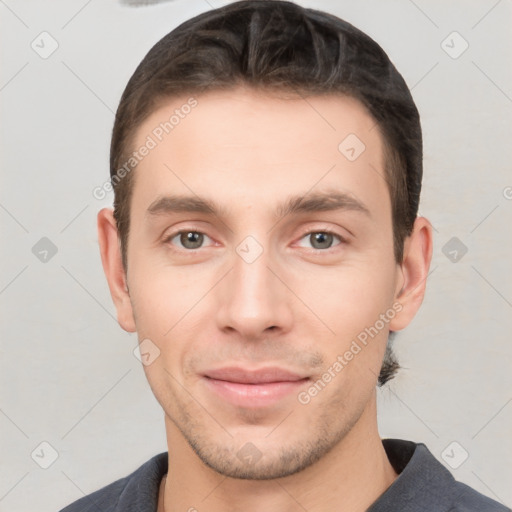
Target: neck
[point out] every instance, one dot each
(347, 479)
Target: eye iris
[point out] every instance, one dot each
(195, 239)
(323, 239)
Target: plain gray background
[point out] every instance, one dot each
(69, 377)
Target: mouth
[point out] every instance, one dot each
(253, 388)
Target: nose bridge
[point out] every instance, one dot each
(250, 273)
(252, 299)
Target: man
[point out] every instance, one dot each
(264, 245)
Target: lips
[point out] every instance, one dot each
(261, 376)
(253, 388)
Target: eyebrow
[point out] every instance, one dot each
(309, 203)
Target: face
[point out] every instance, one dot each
(261, 275)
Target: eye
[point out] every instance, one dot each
(188, 239)
(321, 239)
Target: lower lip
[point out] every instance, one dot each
(254, 395)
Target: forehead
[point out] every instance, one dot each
(244, 144)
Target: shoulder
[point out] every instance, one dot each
(467, 499)
(137, 491)
(104, 499)
(424, 483)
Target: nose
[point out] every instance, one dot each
(252, 298)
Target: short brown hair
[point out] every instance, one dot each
(277, 46)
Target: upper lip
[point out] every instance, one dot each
(260, 376)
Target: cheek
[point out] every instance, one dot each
(356, 305)
(347, 299)
(155, 311)
(169, 309)
(163, 294)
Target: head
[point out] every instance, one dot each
(257, 118)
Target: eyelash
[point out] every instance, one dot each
(341, 239)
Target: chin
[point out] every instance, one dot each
(252, 462)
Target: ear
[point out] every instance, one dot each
(414, 271)
(113, 267)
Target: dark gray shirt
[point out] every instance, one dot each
(423, 485)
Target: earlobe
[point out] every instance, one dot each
(414, 272)
(110, 251)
